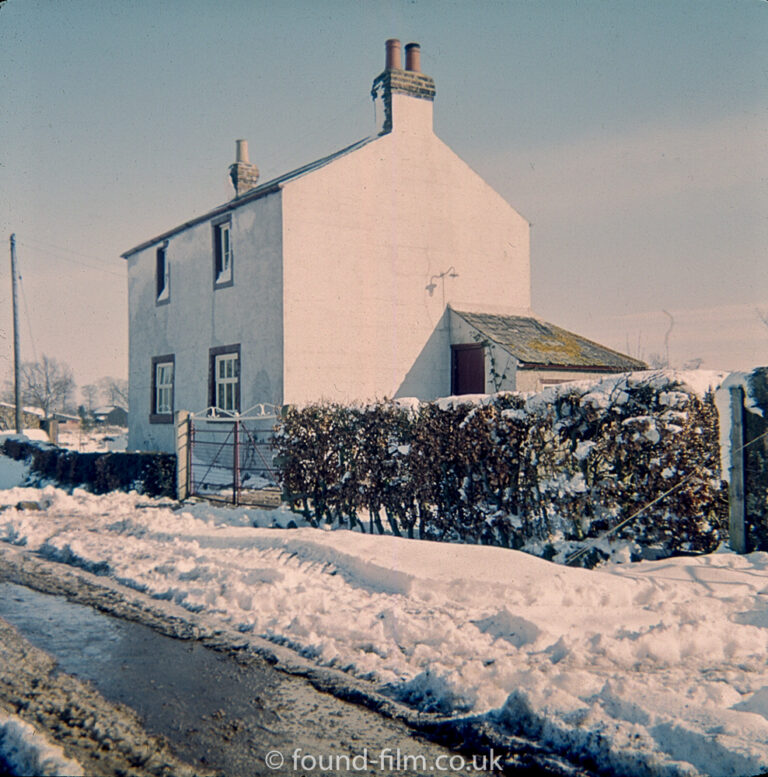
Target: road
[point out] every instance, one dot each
(150, 689)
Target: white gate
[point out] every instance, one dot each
(228, 457)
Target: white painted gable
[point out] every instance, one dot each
(341, 277)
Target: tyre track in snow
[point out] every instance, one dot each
(346, 709)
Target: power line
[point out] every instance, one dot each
(57, 253)
(67, 250)
(26, 314)
(592, 543)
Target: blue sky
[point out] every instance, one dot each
(632, 135)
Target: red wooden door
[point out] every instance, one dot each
(467, 369)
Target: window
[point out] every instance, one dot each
(225, 378)
(222, 254)
(162, 276)
(163, 369)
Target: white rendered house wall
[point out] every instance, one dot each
(365, 239)
(198, 317)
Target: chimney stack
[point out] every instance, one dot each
(396, 83)
(241, 154)
(413, 57)
(244, 175)
(394, 60)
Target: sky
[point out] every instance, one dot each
(632, 136)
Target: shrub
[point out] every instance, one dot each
(569, 463)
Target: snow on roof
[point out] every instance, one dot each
(107, 409)
(538, 343)
(260, 191)
(25, 409)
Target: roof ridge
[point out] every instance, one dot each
(253, 194)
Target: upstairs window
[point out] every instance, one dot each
(222, 254)
(225, 378)
(163, 368)
(162, 276)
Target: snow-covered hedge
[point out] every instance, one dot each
(516, 470)
(153, 474)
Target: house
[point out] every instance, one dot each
(111, 415)
(31, 417)
(387, 269)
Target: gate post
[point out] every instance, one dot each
(183, 457)
(738, 537)
(236, 463)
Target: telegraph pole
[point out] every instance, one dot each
(16, 355)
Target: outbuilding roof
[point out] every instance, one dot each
(537, 343)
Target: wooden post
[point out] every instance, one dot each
(16, 350)
(183, 454)
(236, 463)
(738, 536)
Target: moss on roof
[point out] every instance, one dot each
(535, 342)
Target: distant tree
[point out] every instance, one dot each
(47, 384)
(6, 392)
(90, 394)
(667, 334)
(86, 418)
(657, 362)
(114, 391)
(693, 364)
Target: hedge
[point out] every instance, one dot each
(512, 470)
(153, 474)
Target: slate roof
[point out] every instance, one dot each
(534, 342)
(259, 191)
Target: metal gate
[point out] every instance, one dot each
(229, 457)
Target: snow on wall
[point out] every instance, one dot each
(723, 403)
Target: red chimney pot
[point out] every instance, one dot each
(413, 57)
(394, 56)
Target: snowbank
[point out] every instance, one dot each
(27, 751)
(656, 668)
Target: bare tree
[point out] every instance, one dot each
(115, 391)
(667, 334)
(47, 384)
(90, 394)
(7, 393)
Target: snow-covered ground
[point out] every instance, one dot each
(100, 439)
(27, 751)
(656, 668)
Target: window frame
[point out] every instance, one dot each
(154, 416)
(225, 276)
(214, 355)
(162, 296)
